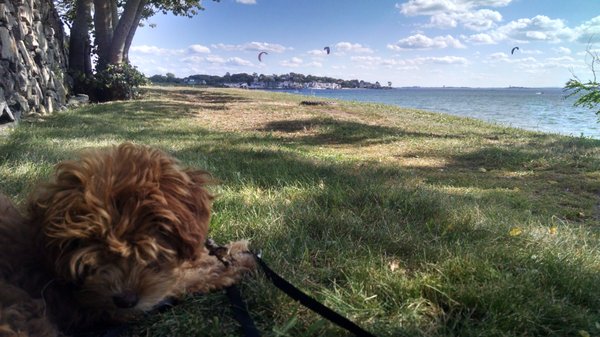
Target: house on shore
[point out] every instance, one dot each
(322, 85)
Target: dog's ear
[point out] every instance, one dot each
(194, 216)
(62, 217)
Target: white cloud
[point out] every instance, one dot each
(314, 64)
(198, 49)
(217, 60)
(317, 52)
(214, 59)
(428, 7)
(491, 3)
(506, 58)
(532, 65)
(480, 38)
(477, 20)
(535, 65)
(238, 62)
(352, 47)
(196, 59)
(153, 50)
(294, 62)
(451, 13)
(530, 51)
(589, 31)
(252, 46)
(563, 50)
(561, 59)
(420, 41)
(498, 56)
(246, 2)
(588, 51)
(443, 60)
(537, 35)
(372, 62)
(538, 28)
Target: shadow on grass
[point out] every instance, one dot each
(199, 96)
(134, 121)
(545, 175)
(331, 131)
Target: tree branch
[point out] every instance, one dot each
(129, 20)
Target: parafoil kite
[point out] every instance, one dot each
(513, 50)
(261, 54)
(327, 50)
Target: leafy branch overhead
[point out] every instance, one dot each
(587, 93)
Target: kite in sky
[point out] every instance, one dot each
(261, 54)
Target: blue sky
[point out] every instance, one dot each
(406, 42)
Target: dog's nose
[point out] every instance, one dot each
(126, 299)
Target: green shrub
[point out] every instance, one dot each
(118, 82)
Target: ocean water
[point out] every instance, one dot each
(538, 109)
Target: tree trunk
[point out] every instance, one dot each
(129, 40)
(129, 21)
(104, 26)
(79, 46)
(114, 11)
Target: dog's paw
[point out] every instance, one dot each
(239, 255)
(235, 254)
(221, 267)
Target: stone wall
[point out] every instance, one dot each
(33, 60)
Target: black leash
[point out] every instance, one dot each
(240, 312)
(310, 302)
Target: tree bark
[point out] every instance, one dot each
(80, 62)
(114, 11)
(129, 40)
(129, 21)
(79, 42)
(104, 27)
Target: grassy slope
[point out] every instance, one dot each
(409, 223)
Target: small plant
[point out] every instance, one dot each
(119, 82)
(588, 92)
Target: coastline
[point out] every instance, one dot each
(535, 109)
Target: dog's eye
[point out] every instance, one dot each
(82, 272)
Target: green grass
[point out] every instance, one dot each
(407, 222)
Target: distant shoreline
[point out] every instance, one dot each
(420, 87)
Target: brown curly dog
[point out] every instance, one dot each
(114, 234)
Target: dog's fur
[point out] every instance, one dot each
(112, 236)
